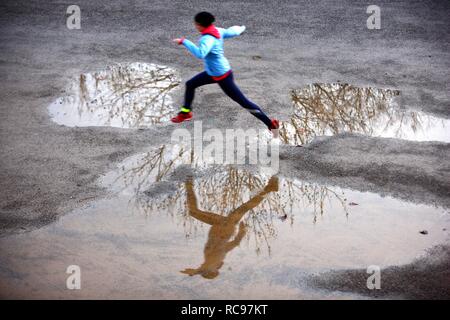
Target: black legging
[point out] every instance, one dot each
(230, 88)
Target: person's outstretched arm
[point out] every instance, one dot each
(204, 46)
(232, 31)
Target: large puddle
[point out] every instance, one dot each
(329, 109)
(224, 233)
(130, 95)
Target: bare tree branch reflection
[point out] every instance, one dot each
(223, 190)
(328, 109)
(125, 95)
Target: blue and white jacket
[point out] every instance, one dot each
(210, 49)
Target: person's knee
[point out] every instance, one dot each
(234, 96)
(241, 99)
(243, 103)
(247, 104)
(190, 84)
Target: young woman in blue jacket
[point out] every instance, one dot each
(217, 68)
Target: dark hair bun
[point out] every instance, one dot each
(205, 19)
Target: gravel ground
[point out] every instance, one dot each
(46, 169)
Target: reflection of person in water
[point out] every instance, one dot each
(222, 229)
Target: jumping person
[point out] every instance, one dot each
(218, 70)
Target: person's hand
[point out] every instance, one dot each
(178, 40)
(189, 271)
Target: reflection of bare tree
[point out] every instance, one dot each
(135, 94)
(222, 190)
(326, 109)
(229, 187)
(151, 167)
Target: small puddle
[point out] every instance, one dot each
(225, 234)
(329, 109)
(130, 95)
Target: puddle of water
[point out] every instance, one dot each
(329, 109)
(130, 95)
(137, 173)
(228, 234)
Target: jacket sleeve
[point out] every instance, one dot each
(232, 31)
(204, 46)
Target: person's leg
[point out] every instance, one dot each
(194, 211)
(199, 80)
(232, 90)
(239, 212)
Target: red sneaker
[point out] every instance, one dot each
(180, 117)
(275, 124)
(274, 128)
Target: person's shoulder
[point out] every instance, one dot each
(209, 37)
(221, 30)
